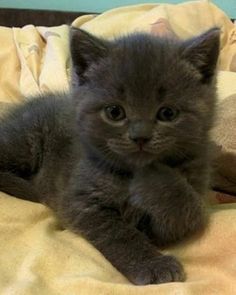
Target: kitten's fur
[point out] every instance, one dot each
(62, 151)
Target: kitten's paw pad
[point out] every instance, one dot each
(164, 269)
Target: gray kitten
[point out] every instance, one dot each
(123, 159)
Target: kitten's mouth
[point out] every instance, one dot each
(139, 151)
(137, 155)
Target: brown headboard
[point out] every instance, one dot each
(22, 17)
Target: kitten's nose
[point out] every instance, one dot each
(140, 141)
(140, 132)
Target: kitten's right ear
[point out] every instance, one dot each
(86, 50)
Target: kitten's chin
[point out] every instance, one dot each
(139, 159)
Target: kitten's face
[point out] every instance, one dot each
(143, 100)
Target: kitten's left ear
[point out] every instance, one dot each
(85, 50)
(202, 52)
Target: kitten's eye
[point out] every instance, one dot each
(115, 113)
(167, 114)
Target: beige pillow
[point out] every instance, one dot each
(182, 20)
(224, 134)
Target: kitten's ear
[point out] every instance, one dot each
(86, 50)
(203, 52)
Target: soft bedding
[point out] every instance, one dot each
(37, 256)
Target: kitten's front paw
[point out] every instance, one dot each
(163, 269)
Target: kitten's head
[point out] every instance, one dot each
(142, 98)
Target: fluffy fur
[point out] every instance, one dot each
(124, 158)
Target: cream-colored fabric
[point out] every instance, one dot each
(33, 60)
(224, 134)
(36, 255)
(185, 20)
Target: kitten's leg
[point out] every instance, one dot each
(124, 246)
(17, 187)
(164, 205)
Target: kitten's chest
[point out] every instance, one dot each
(110, 188)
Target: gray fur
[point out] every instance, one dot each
(130, 185)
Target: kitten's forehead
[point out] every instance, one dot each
(143, 55)
(140, 67)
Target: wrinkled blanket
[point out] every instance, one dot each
(37, 256)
